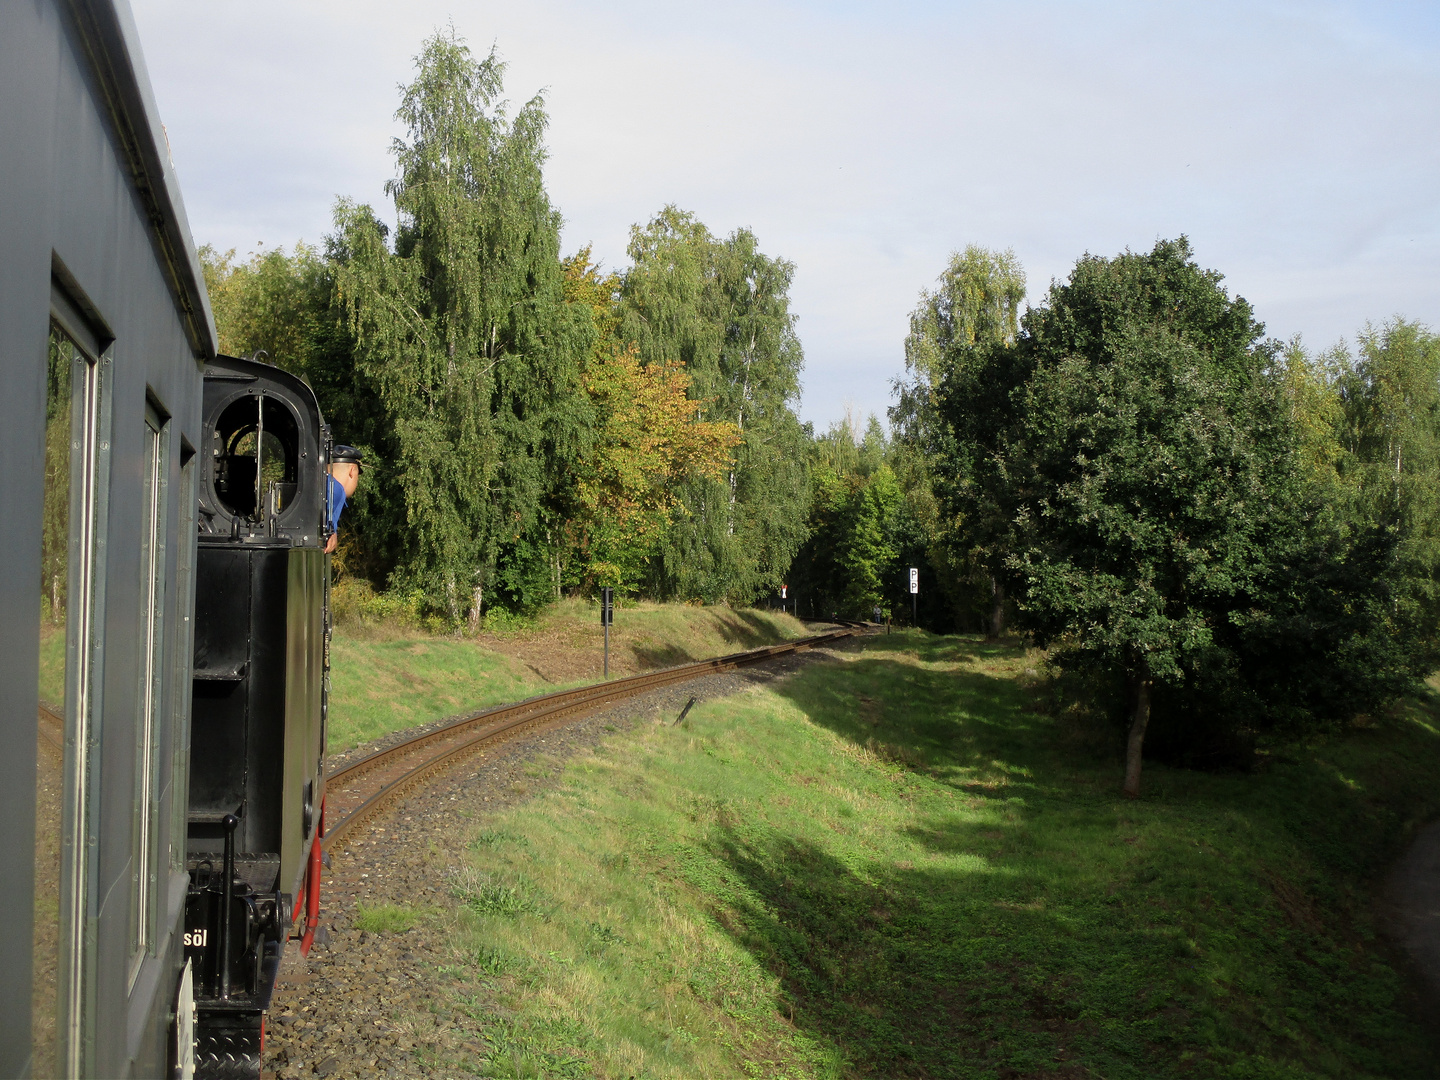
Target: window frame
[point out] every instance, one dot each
(146, 887)
(91, 392)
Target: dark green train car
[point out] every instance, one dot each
(105, 331)
(162, 574)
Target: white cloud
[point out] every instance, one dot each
(1296, 144)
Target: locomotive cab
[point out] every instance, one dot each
(259, 698)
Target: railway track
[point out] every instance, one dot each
(359, 791)
(51, 730)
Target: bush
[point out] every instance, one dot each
(354, 603)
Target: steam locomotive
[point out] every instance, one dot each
(260, 700)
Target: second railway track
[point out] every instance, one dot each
(359, 791)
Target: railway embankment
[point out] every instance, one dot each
(909, 860)
(389, 990)
(391, 671)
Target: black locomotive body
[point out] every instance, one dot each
(259, 702)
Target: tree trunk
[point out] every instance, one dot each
(997, 610)
(477, 599)
(740, 427)
(1398, 449)
(1139, 720)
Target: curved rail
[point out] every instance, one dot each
(444, 746)
(52, 728)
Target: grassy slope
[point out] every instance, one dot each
(384, 678)
(52, 664)
(895, 867)
(380, 684)
(647, 635)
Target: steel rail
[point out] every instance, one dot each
(52, 728)
(486, 725)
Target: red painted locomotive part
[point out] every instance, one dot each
(312, 886)
(494, 722)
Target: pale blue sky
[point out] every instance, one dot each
(1297, 144)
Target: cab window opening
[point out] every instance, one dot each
(256, 451)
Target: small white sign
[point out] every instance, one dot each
(783, 590)
(914, 579)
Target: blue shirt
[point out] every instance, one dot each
(337, 502)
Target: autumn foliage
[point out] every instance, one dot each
(648, 438)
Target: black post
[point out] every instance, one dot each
(230, 823)
(914, 609)
(607, 616)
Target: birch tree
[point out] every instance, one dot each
(722, 308)
(462, 326)
(959, 334)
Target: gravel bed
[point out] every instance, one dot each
(368, 1005)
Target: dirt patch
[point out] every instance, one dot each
(1409, 912)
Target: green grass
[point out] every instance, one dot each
(385, 918)
(897, 866)
(52, 665)
(379, 686)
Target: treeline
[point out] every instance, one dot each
(1236, 535)
(534, 425)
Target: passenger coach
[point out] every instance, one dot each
(104, 334)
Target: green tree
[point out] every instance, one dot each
(1391, 432)
(271, 303)
(464, 332)
(1152, 473)
(586, 283)
(848, 564)
(866, 552)
(722, 308)
(960, 341)
(648, 441)
(1312, 386)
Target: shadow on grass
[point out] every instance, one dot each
(970, 728)
(925, 972)
(741, 629)
(905, 975)
(1069, 932)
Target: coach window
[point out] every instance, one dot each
(72, 410)
(144, 833)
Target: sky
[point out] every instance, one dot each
(1296, 144)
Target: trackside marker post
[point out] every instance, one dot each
(914, 596)
(607, 616)
(685, 711)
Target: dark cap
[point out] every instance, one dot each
(346, 455)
